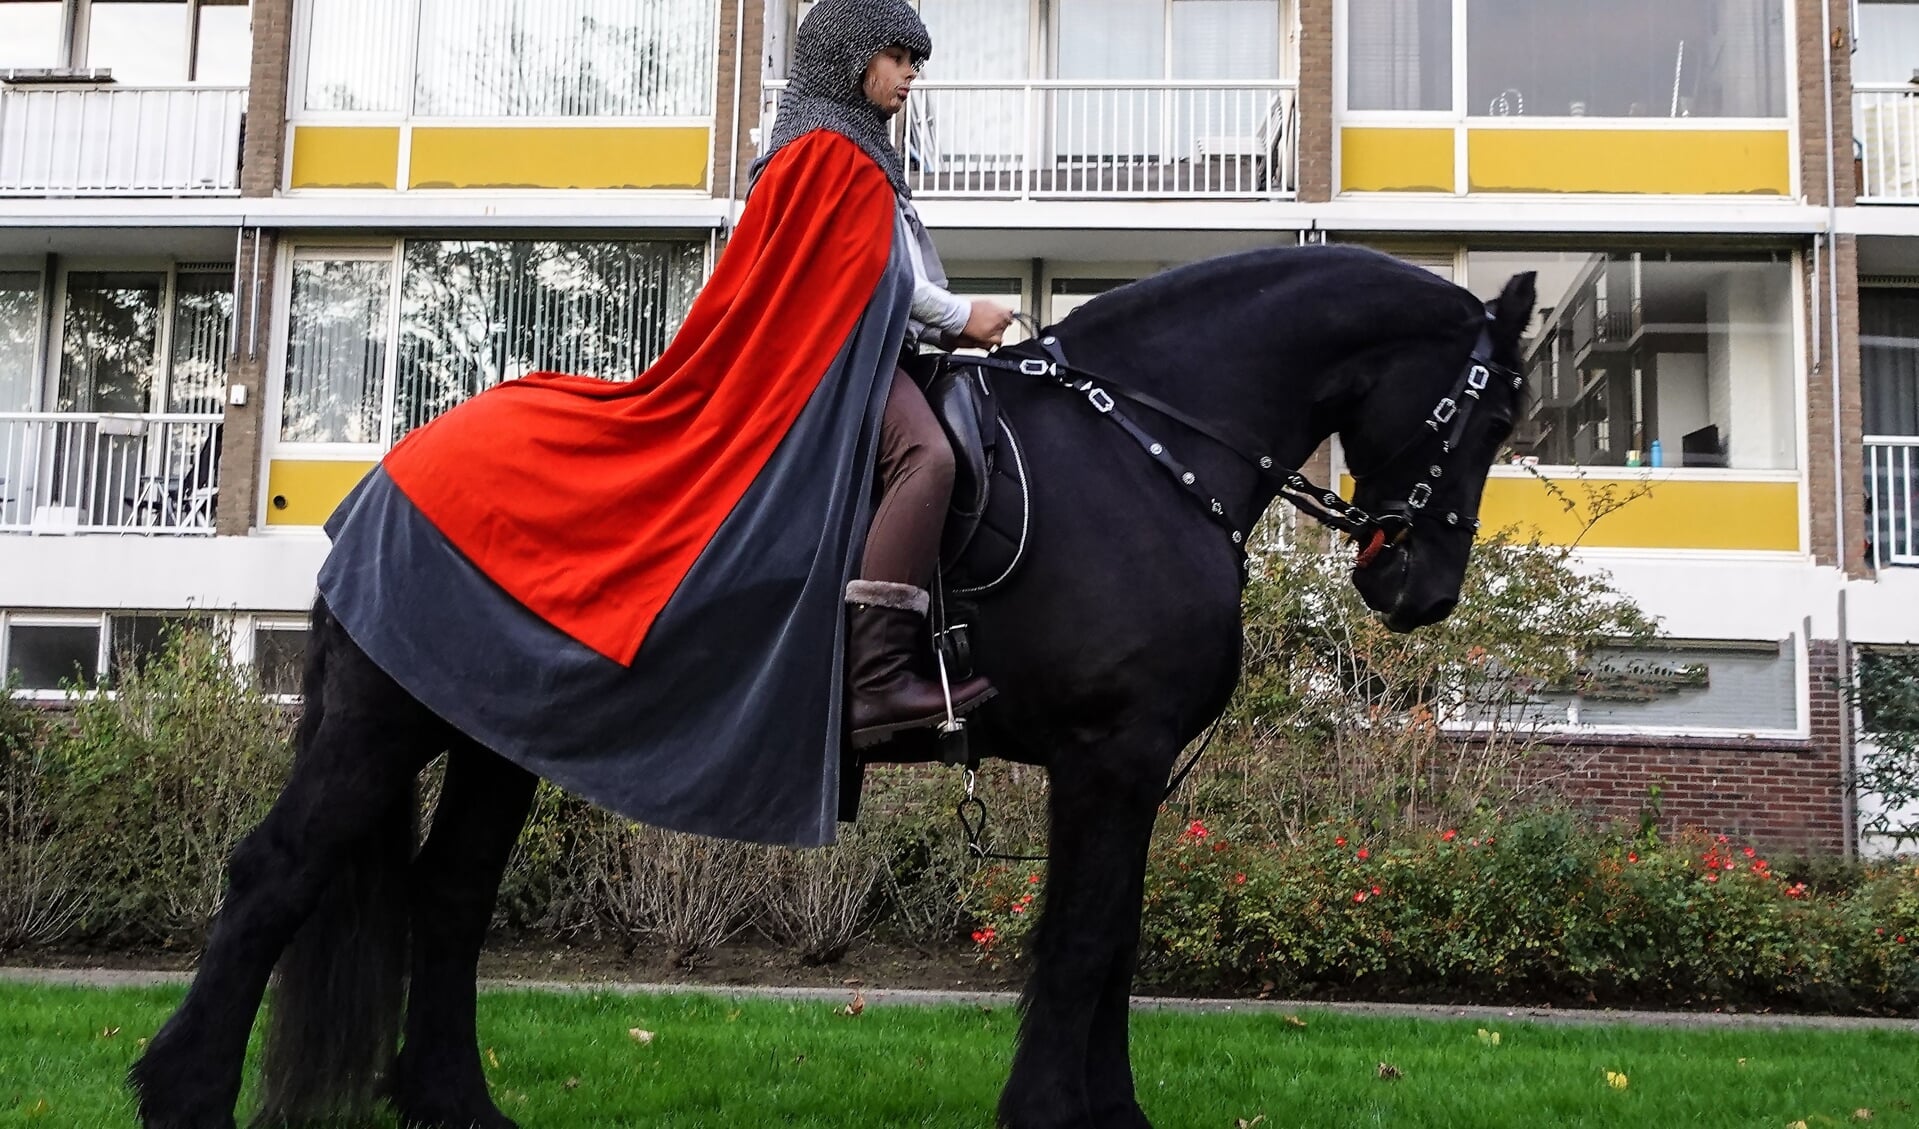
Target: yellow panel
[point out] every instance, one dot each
(330, 156)
(306, 491)
(1396, 160)
(1677, 514)
(559, 157)
(1678, 162)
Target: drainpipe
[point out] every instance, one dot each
(1832, 300)
(733, 156)
(1848, 764)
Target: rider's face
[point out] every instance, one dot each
(889, 78)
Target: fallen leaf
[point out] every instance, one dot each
(1242, 1123)
(1862, 1115)
(109, 1032)
(1295, 1021)
(858, 1005)
(1490, 1038)
(1742, 1064)
(492, 1059)
(40, 1109)
(1615, 1079)
(733, 1016)
(1796, 1125)
(639, 1036)
(572, 1083)
(140, 1043)
(1389, 1072)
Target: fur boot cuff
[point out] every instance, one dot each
(886, 594)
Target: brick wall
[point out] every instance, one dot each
(744, 47)
(1315, 148)
(1819, 411)
(1811, 49)
(1781, 795)
(240, 474)
(262, 155)
(265, 147)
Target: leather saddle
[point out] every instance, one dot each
(987, 524)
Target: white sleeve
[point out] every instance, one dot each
(934, 306)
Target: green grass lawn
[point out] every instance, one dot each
(570, 1060)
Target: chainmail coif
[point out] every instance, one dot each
(836, 41)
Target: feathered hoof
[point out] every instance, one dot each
(165, 1098)
(488, 1118)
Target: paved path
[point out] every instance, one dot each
(916, 997)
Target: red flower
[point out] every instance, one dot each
(1796, 890)
(1239, 880)
(984, 937)
(1364, 853)
(1750, 852)
(1340, 842)
(1901, 939)
(1449, 836)
(1712, 878)
(1376, 891)
(1721, 839)
(1195, 831)
(1019, 909)
(1032, 880)
(1879, 932)
(1360, 897)
(1632, 856)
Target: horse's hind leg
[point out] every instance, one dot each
(353, 775)
(1103, 804)
(438, 1082)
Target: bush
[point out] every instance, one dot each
(1531, 907)
(151, 786)
(42, 896)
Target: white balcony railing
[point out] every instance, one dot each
(1892, 499)
(67, 472)
(112, 140)
(1095, 140)
(1886, 129)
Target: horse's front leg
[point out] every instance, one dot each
(1064, 1075)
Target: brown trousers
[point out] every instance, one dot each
(915, 487)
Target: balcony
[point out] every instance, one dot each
(1886, 130)
(70, 472)
(1058, 139)
(120, 141)
(1892, 497)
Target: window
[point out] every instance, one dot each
(1623, 59)
(44, 655)
(279, 657)
(119, 325)
(1070, 294)
(134, 640)
(512, 58)
(111, 340)
(143, 42)
(19, 340)
(31, 34)
(1655, 358)
(1889, 357)
(1005, 291)
(1888, 42)
(1399, 54)
(471, 314)
(336, 351)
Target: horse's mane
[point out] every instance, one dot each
(1333, 274)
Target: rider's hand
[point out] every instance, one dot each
(985, 325)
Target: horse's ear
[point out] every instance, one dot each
(1513, 309)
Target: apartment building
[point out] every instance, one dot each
(244, 248)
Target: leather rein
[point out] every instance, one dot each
(1447, 422)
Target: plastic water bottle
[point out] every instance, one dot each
(1655, 454)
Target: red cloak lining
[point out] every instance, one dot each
(588, 500)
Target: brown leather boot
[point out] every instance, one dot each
(886, 695)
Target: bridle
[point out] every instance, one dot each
(1447, 423)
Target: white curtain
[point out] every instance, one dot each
(201, 339)
(336, 351)
(1226, 39)
(19, 339)
(1399, 54)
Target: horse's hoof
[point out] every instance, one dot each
(164, 1103)
(489, 1118)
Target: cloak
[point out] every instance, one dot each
(636, 589)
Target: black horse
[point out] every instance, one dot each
(1114, 646)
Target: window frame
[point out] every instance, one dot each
(408, 79)
(52, 618)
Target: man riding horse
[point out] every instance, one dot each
(683, 540)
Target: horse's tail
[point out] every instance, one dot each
(333, 1023)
